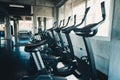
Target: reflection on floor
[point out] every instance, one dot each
(14, 63)
(17, 63)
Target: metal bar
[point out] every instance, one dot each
(70, 44)
(61, 40)
(41, 63)
(91, 58)
(36, 61)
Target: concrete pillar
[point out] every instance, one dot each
(42, 23)
(8, 36)
(16, 31)
(34, 24)
(8, 28)
(39, 22)
(39, 25)
(55, 14)
(45, 23)
(114, 62)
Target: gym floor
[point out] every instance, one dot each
(15, 63)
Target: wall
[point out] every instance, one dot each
(114, 68)
(102, 52)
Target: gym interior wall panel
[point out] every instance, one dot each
(101, 48)
(102, 64)
(102, 52)
(114, 68)
(43, 11)
(116, 22)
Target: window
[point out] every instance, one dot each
(25, 25)
(49, 23)
(2, 27)
(95, 15)
(77, 7)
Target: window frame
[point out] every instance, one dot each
(111, 11)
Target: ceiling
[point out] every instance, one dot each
(31, 2)
(5, 9)
(56, 1)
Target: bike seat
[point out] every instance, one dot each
(32, 47)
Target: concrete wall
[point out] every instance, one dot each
(102, 52)
(114, 68)
(41, 11)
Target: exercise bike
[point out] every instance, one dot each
(85, 32)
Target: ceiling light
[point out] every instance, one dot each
(18, 6)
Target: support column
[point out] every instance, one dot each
(55, 14)
(8, 36)
(34, 24)
(8, 28)
(39, 22)
(16, 31)
(44, 23)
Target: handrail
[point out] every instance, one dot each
(68, 29)
(85, 15)
(91, 29)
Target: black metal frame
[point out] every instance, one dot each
(90, 58)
